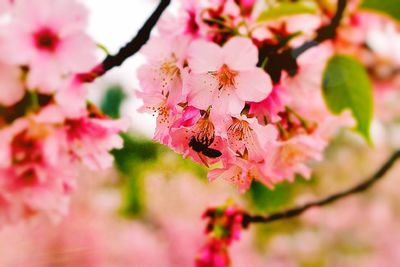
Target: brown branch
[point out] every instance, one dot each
(129, 49)
(294, 212)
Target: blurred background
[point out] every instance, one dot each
(147, 210)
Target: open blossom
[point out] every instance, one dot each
(239, 172)
(162, 75)
(161, 80)
(225, 77)
(246, 137)
(48, 36)
(199, 141)
(286, 159)
(249, 142)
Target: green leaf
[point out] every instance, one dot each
(346, 85)
(388, 7)
(287, 9)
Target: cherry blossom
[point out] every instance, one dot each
(49, 37)
(225, 78)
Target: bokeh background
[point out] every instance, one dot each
(147, 210)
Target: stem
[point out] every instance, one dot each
(33, 100)
(324, 33)
(296, 211)
(287, 59)
(130, 49)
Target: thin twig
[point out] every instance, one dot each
(129, 49)
(325, 33)
(287, 59)
(294, 212)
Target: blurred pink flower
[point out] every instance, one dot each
(48, 36)
(91, 138)
(11, 87)
(34, 173)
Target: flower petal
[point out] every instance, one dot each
(204, 56)
(201, 90)
(253, 85)
(240, 54)
(226, 101)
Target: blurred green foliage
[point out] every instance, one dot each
(131, 162)
(388, 7)
(284, 9)
(136, 151)
(112, 101)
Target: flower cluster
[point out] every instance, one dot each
(46, 126)
(224, 226)
(205, 81)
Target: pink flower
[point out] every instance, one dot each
(199, 141)
(285, 159)
(224, 227)
(213, 254)
(161, 82)
(11, 87)
(188, 21)
(5, 5)
(268, 109)
(71, 98)
(35, 174)
(162, 76)
(156, 103)
(241, 173)
(246, 136)
(91, 138)
(48, 36)
(225, 78)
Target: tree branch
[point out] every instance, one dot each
(325, 33)
(129, 49)
(293, 212)
(287, 59)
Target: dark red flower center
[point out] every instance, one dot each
(46, 39)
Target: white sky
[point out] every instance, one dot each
(112, 24)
